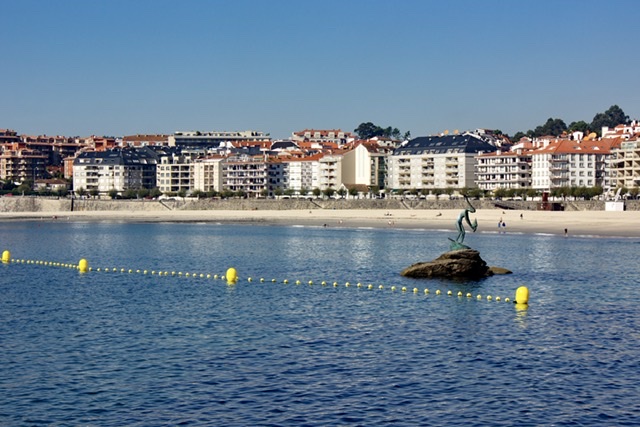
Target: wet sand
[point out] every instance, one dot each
(582, 223)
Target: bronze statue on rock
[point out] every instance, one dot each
(461, 262)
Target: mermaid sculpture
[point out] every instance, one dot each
(464, 215)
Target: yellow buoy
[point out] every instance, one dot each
(232, 275)
(522, 295)
(83, 265)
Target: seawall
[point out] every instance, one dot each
(44, 204)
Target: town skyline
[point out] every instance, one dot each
(622, 118)
(121, 68)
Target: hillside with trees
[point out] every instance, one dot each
(553, 126)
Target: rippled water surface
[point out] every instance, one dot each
(114, 349)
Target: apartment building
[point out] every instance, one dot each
(20, 164)
(624, 165)
(175, 174)
(330, 171)
(365, 165)
(246, 174)
(507, 170)
(214, 139)
(302, 173)
(436, 162)
(119, 169)
(143, 140)
(320, 136)
(207, 174)
(569, 163)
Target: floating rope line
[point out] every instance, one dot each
(231, 278)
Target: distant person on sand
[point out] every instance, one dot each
(565, 232)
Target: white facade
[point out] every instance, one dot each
(174, 174)
(568, 163)
(207, 175)
(503, 170)
(356, 166)
(624, 166)
(431, 171)
(330, 172)
(302, 174)
(246, 174)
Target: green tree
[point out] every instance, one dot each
(141, 193)
(264, 193)
(81, 192)
(579, 126)
(613, 117)
(277, 192)
(499, 193)
(94, 193)
(130, 193)
(289, 192)
(316, 192)
(155, 192)
(342, 192)
(329, 192)
(368, 130)
(555, 127)
(353, 192)
(113, 193)
(518, 136)
(531, 192)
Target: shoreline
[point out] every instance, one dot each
(578, 223)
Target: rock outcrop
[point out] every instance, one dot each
(460, 264)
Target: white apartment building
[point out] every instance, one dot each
(511, 169)
(174, 174)
(247, 174)
(303, 173)
(436, 162)
(330, 171)
(567, 163)
(365, 165)
(207, 174)
(119, 170)
(624, 165)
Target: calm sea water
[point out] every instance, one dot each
(116, 349)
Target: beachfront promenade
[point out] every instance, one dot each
(584, 218)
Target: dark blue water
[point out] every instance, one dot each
(115, 349)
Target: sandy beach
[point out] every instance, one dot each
(582, 223)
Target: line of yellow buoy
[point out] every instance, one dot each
(231, 276)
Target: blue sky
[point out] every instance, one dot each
(154, 66)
